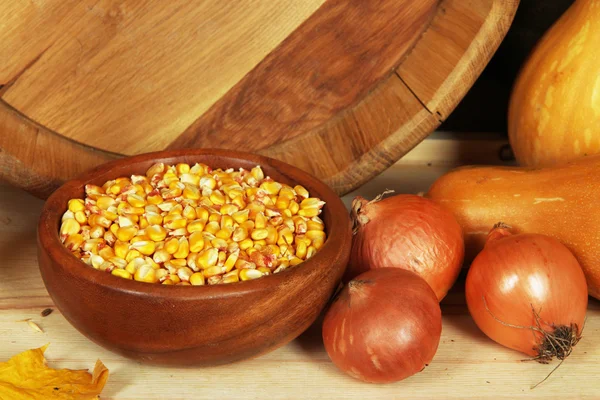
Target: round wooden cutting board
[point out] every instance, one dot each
(339, 88)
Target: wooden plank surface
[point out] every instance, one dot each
(466, 366)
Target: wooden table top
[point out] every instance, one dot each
(467, 364)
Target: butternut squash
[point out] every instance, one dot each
(554, 113)
(561, 201)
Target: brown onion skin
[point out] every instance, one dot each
(409, 232)
(384, 326)
(514, 273)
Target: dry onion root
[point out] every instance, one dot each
(409, 232)
(528, 292)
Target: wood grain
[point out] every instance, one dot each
(320, 70)
(130, 76)
(466, 366)
(318, 97)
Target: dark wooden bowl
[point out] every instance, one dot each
(181, 325)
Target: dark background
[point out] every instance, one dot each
(485, 107)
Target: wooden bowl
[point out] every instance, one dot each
(183, 325)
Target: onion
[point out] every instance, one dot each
(410, 232)
(528, 292)
(384, 326)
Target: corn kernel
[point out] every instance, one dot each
(212, 271)
(261, 221)
(121, 273)
(212, 227)
(183, 250)
(74, 241)
(184, 273)
(301, 249)
(207, 258)
(246, 244)
(295, 261)
(259, 234)
(313, 225)
(172, 245)
(315, 235)
(301, 191)
(265, 270)
(126, 233)
(161, 274)
(131, 254)
(197, 279)
(106, 252)
(69, 227)
(133, 265)
(145, 273)
(75, 205)
(300, 225)
(145, 247)
(249, 274)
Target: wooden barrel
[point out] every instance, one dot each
(339, 88)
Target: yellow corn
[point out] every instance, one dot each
(282, 202)
(145, 247)
(182, 168)
(75, 205)
(231, 260)
(229, 209)
(184, 273)
(272, 235)
(74, 241)
(207, 258)
(161, 274)
(155, 169)
(224, 233)
(248, 225)
(190, 179)
(212, 271)
(121, 249)
(133, 265)
(301, 249)
(197, 279)
(212, 227)
(249, 274)
(300, 226)
(196, 242)
(271, 187)
(189, 213)
(69, 227)
(196, 225)
(202, 213)
(246, 244)
(191, 192)
(131, 254)
(226, 222)
(106, 252)
(121, 273)
(261, 221)
(156, 233)
(154, 197)
(178, 219)
(315, 235)
(313, 225)
(174, 221)
(264, 270)
(259, 234)
(126, 233)
(183, 250)
(172, 245)
(145, 273)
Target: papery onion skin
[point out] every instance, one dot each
(410, 232)
(384, 326)
(519, 276)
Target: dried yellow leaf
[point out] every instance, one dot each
(26, 376)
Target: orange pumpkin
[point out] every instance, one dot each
(554, 113)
